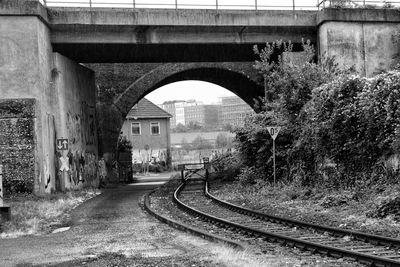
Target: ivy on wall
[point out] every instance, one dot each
(17, 144)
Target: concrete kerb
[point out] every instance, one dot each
(189, 229)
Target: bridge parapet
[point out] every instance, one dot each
(179, 4)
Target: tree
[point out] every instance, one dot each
(228, 127)
(180, 128)
(288, 87)
(201, 143)
(354, 122)
(185, 144)
(194, 126)
(223, 141)
(124, 144)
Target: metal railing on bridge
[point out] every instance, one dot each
(226, 4)
(189, 4)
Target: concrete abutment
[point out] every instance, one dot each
(44, 96)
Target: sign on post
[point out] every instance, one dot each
(273, 131)
(62, 144)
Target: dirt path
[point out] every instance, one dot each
(109, 224)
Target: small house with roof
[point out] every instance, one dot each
(147, 126)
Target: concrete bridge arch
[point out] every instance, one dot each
(240, 78)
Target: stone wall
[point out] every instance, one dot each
(17, 144)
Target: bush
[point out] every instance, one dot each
(227, 166)
(223, 141)
(201, 143)
(17, 187)
(337, 128)
(124, 145)
(157, 168)
(250, 176)
(388, 207)
(355, 123)
(288, 87)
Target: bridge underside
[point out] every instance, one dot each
(155, 35)
(144, 53)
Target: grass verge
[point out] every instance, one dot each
(34, 215)
(338, 208)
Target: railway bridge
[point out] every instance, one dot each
(55, 61)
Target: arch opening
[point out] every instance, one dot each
(240, 79)
(181, 122)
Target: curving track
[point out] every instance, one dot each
(193, 196)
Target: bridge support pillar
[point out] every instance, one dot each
(43, 96)
(25, 80)
(369, 47)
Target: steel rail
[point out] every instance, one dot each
(373, 239)
(286, 240)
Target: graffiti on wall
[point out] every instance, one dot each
(81, 126)
(80, 162)
(78, 168)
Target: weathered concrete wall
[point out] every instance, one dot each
(30, 70)
(25, 59)
(17, 144)
(363, 39)
(76, 120)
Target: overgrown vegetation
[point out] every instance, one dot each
(351, 131)
(340, 132)
(338, 129)
(31, 215)
(289, 82)
(361, 208)
(358, 4)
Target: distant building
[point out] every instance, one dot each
(147, 126)
(233, 110)
(169, 106)
(204, 115)
(177, 109)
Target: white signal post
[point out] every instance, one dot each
(273, 131)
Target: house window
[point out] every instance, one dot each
(154, 128)
(135, 128)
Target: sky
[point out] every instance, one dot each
(206, 92)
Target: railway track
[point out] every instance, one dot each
(372, 250)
